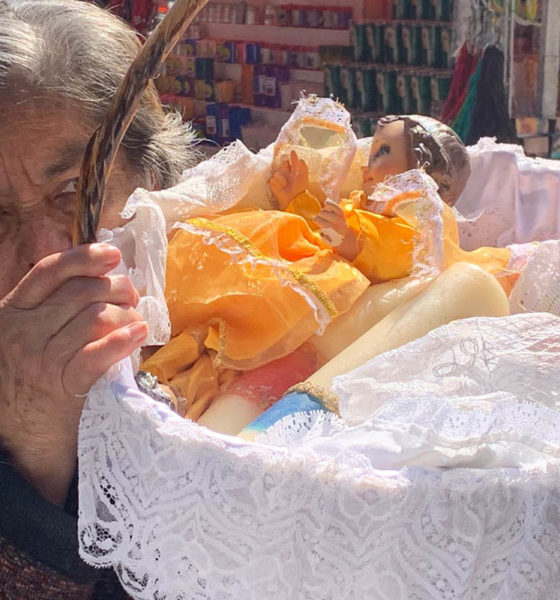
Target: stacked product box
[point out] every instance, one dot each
(283, 15)
(190, 71)
(224, 122)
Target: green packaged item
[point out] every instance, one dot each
(366, 88)
(408, 43)
(421, 94)
(404, 100)
(386, 81)
(441, 85)
(359, 42)
(402, 9)
(428, 9)
(443, 40)
(333, 83)
(390, 43)
(375, 36)
(444, 10)
(363, 126)
(204, 68)
(367, 127)
(348, 82)
(428, 45)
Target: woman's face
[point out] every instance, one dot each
(41, 150)
(389, 155)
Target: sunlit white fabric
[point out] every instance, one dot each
(319, 508)
(510, 198)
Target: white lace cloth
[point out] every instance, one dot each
(510, 198)
(320, 509)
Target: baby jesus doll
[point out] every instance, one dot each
(248, 289)
(379, 238)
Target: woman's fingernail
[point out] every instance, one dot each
(138, 331)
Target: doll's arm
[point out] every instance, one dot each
(335, 230)
(380, 247)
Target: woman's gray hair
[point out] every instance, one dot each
(75, 52)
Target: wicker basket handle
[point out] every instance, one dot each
(106, 139)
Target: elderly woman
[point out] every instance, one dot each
(63, 319)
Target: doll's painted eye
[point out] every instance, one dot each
(383, 150)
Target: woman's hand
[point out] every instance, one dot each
(289, 181)
(63, 326)
(336, 232)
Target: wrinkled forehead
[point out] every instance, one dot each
(40, 141)
(42, 117)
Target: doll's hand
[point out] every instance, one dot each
(335, 231)
(289, 181)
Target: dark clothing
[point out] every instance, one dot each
(39, 556)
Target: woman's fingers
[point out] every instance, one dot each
(91, 331)
(78, 293)
(93, 323)
(93, 260)
(95, 358)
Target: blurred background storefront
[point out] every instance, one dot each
(487, 67)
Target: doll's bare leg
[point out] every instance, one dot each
(461, 291)
(372, 306)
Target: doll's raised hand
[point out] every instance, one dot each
(289, 181)
(336, 232)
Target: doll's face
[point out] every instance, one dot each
(389, 155)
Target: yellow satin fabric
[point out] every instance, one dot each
(246, 288)
(250, 287)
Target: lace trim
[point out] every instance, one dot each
(327, 399)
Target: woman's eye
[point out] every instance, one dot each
(63, 198)
(383, 150)
(70, 187)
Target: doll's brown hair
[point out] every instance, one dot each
(436, 148)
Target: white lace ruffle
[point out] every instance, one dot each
(538, 287)
(329, 163)
(320, 509)
(143, 244)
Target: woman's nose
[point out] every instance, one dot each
(42, 239)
